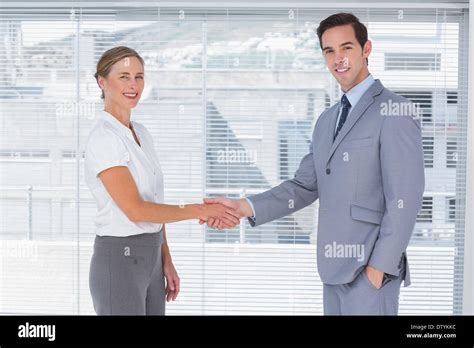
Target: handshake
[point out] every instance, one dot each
(222, 213)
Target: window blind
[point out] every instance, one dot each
(231, 98)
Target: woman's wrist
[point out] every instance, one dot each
(167, 260)
(195, 210)
(165, 255)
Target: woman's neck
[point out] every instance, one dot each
(123, 115)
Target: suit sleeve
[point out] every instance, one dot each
(288, 197)
(401, 158)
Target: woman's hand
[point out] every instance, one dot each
(240, 206)
(172, 281)
(228, 216)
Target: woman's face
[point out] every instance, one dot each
(124, 85)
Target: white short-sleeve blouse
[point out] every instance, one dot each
(111, 144)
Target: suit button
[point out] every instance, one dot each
(328, 171)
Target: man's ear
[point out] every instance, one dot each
(367, 49)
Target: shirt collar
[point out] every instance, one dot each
(356, 92)
(119, 126)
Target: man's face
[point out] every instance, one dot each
(345, 58)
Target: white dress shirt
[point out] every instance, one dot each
(112, 144)
(354, 95)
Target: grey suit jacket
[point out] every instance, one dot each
(369, 182)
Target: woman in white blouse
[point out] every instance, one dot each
(131, 258)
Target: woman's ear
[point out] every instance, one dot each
(101, 82)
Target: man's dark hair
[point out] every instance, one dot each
(342, 18)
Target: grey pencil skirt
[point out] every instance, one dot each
(126, 275)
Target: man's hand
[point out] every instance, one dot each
(375, 276)
(217, 211)
(240, 207)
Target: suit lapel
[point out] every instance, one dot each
(364, 102)
(333, 122)
(332, 119)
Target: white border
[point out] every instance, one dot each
(468, 291)
(241, 4)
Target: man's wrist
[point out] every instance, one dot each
(374, 269)
(245, 207)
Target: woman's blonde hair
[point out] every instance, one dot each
(112, 56)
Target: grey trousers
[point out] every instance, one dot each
(360, 297)
(126, 275)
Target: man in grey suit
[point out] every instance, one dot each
(366, 167)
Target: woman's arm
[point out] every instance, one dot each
(121, 186)
(172, 279)
(165, 250)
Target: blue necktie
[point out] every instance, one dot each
(345, 111)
